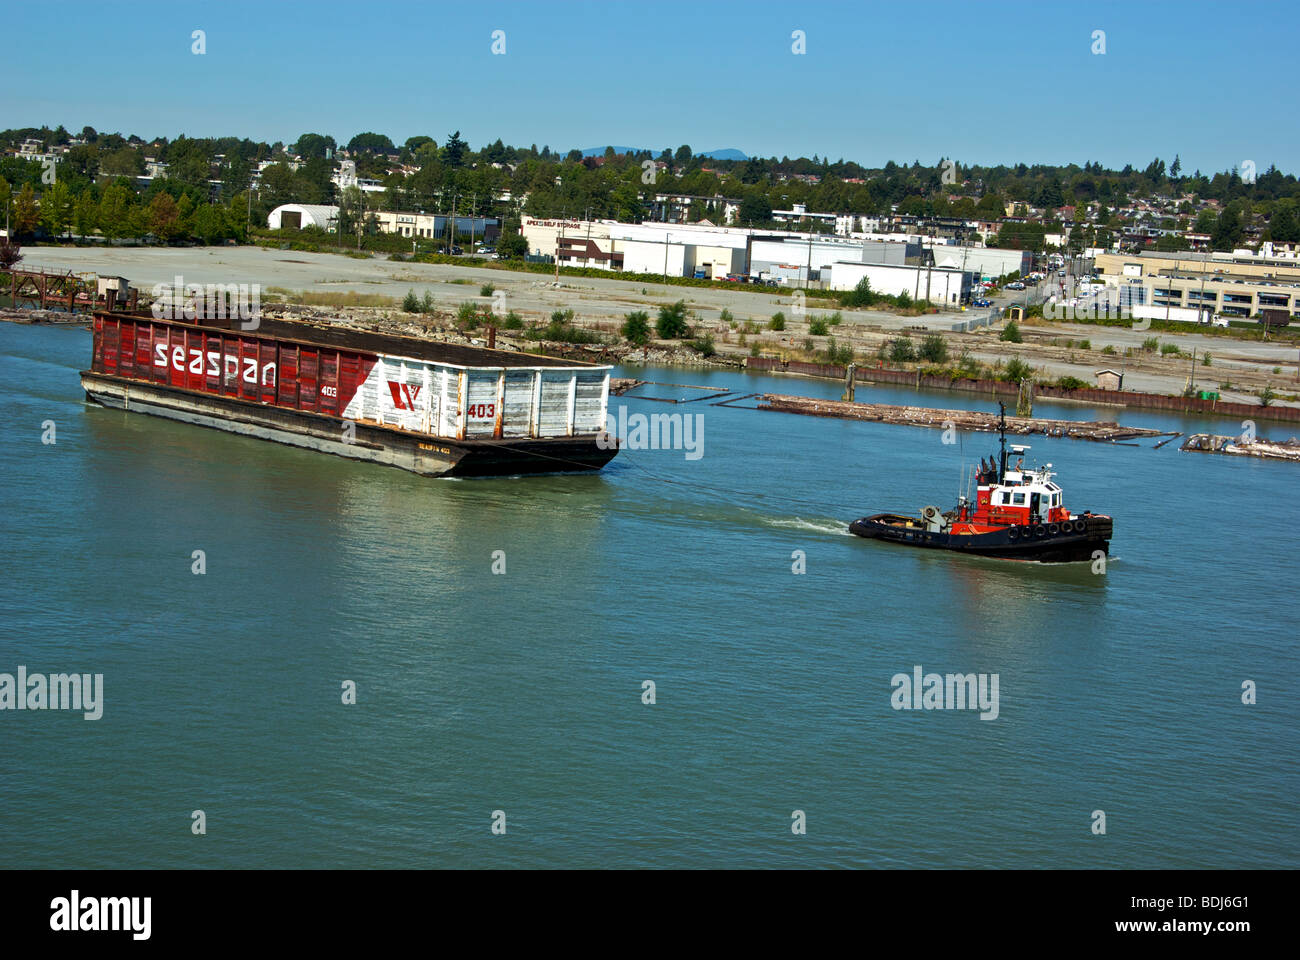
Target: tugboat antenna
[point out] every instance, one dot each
(1002, 434)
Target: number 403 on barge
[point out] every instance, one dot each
(1017, 515)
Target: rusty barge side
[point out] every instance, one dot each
(431, 408)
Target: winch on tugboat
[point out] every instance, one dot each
(1017, 515)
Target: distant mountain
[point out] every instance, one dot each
(728, 154)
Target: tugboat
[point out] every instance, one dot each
(1017, 515)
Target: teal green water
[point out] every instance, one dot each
(522, 692)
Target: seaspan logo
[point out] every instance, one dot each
(213, 366)
(404, 394)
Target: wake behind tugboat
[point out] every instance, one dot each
(1017, 515)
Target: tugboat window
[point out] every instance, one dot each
(1019, 499)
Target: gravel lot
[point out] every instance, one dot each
(1246, 364)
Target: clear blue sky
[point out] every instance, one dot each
(980, 82)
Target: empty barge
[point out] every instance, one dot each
(436, 409)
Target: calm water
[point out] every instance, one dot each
(522, 692)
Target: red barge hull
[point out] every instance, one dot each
(434, 409)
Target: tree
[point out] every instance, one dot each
(511, 245)
(313, 145)
(415, 143)
(10, 254)
(126, 162)
(683, 155)
(114, 212)
(25, 212)
(755, 208)
(1176, 167)
(84, 214)
(636, 328)
(163, 217)
(370, 143)
(1227, 230)
(671, 324)
(453, 152)
(56, 208)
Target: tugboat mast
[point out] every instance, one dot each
(1002, 433)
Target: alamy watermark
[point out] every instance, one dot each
(953, 691)
(658, 431)
(208, 301)
(58, 691)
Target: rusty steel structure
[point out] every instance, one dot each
(55, 289)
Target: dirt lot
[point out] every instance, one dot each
(1247, 365)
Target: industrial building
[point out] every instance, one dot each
(989, 262)
(939, 285)
(1231, 285)
(299, 216)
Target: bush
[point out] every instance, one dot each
(901, 350)
(904, 299)
(1071, 383)
(561, 330)
(636, 328)
(752, 327)
(817, 326)
(1266, 396)
(671, 324)
(725, 316)
(411, 303)
(1017, 370)
(426, 302)
(835, 319)
(934, 349)
(1085, 344)
(1206, 359)
(513, 321)
(841, 354)
(1150, 345)
(1169, 348)
(467, 316)
(777, 322)
(753, 349)
(1108, 349)
(859, 296)
(704, 345)
(1011, 333)
(486, 290)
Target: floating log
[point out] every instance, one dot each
(1241, 447)
(1103, 431)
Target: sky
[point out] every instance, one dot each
(979, 81)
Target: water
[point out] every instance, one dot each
(522, 692)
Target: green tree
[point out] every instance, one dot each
(84, 214)
(313, 145)
(755, 208)
(453, 152)
(25, 212)
(636, 328)
(1227, 230)
(370, 143)
(56, 208)
(671, 324)
(114, 212)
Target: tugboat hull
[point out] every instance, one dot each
(1069, 541)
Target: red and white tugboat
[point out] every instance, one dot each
(1017, 515)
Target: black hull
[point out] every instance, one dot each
(1068, 544)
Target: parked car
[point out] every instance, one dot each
(1015, 285)
(982, 302)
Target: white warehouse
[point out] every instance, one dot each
(297, 216)
(939, 285)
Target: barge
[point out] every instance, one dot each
(436, 409)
